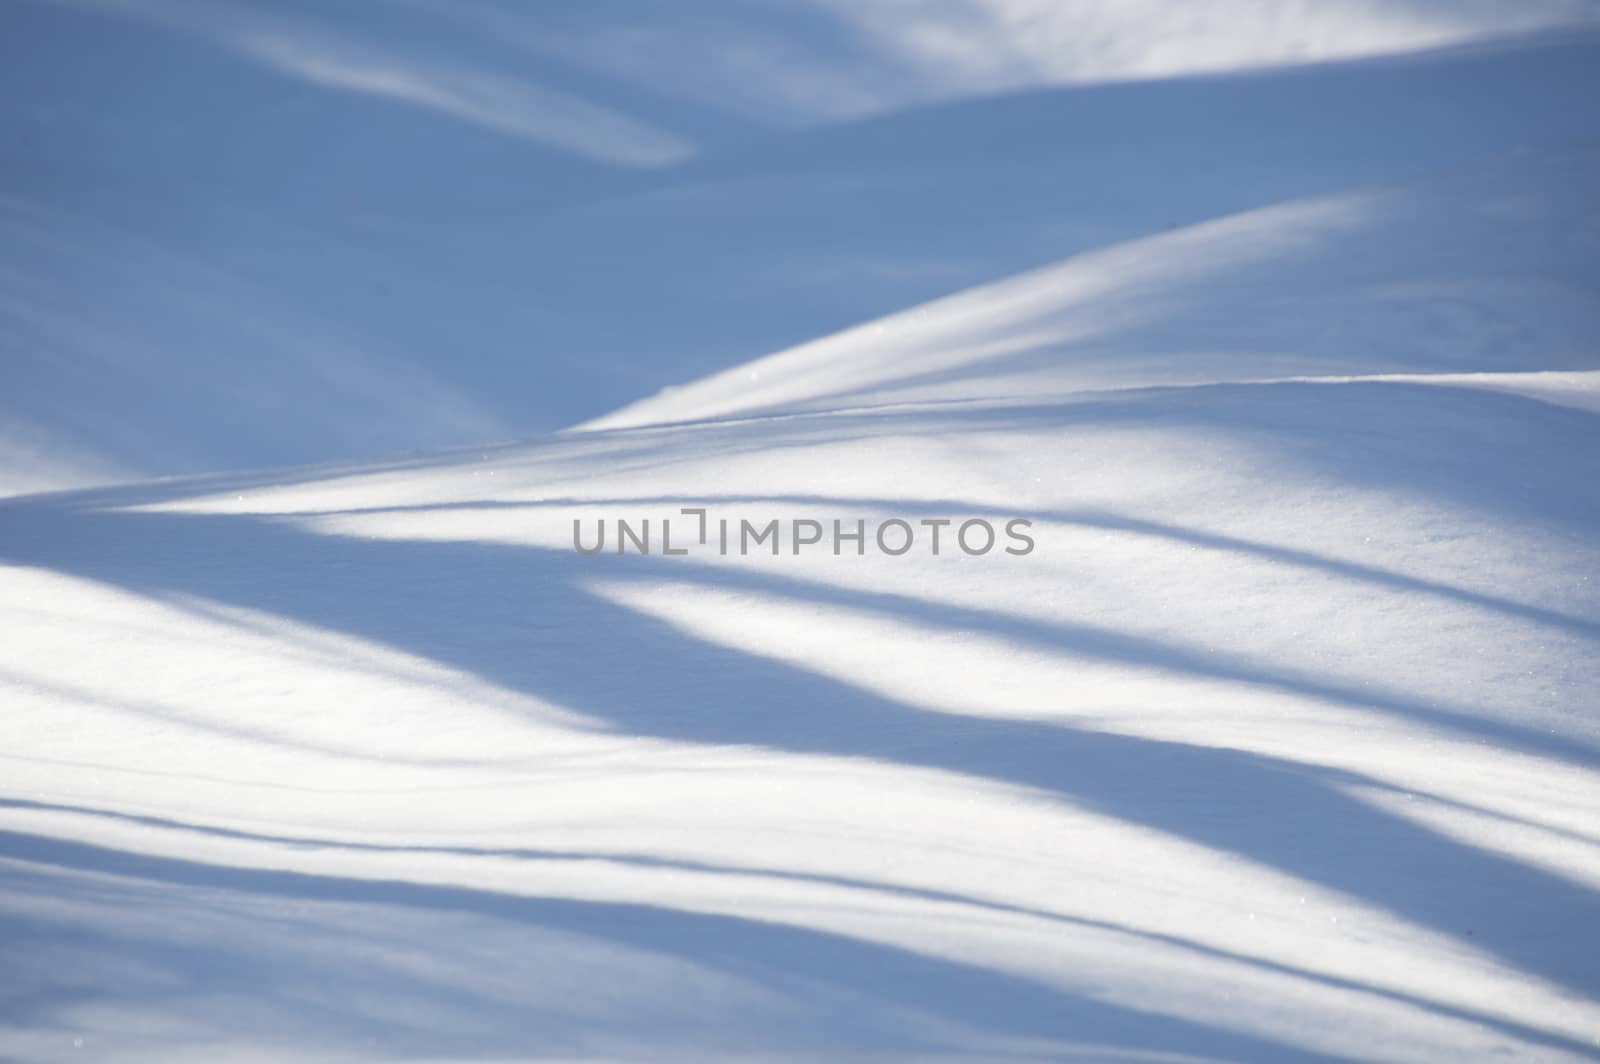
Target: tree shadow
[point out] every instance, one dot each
(519, 617)
(824, 992)
(893, 890)
(1097, 517)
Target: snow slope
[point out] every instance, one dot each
(1280, 745)
(244, 235)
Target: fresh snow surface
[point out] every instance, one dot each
(1282, 744)
(258, 234)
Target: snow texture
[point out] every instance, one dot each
(321, 326)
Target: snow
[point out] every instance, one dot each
(1280, 745)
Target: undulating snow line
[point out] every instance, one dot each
(1287, 720)
(1278, 744)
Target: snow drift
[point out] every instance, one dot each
(1280, 745)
